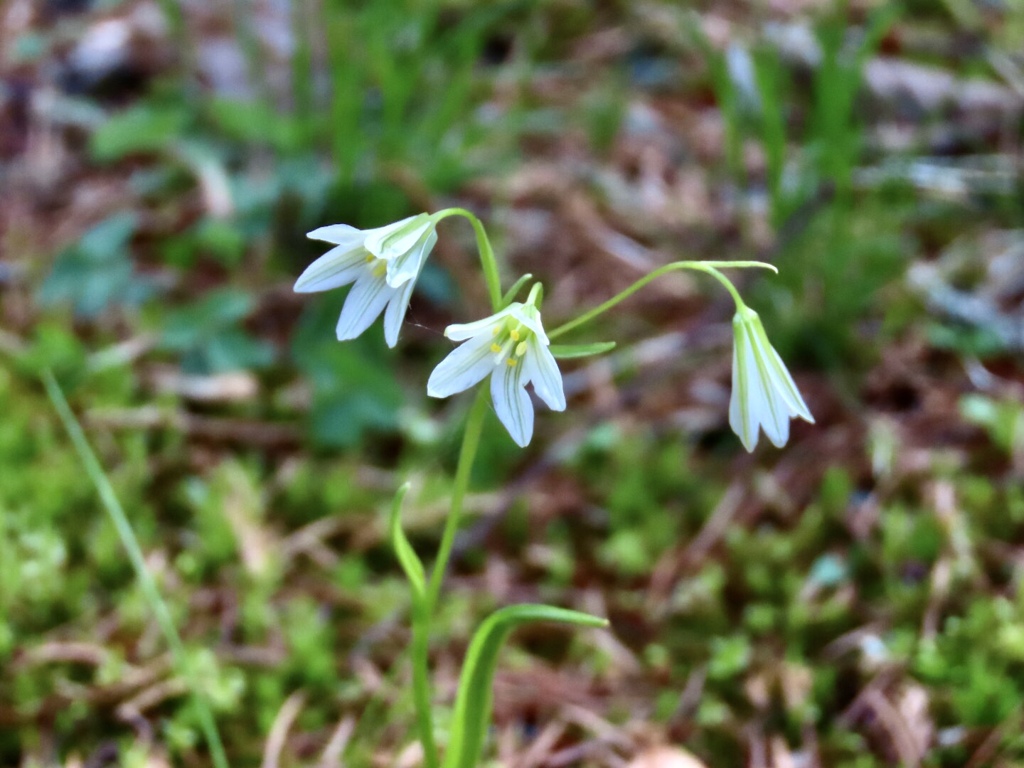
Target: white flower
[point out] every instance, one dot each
(763, 392)
(512, 347)
(383, 263)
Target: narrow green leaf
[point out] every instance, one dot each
(473, 702)
(406, 555)
(570, 351)
(142, 128)
(510, 295)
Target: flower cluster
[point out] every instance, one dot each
(511, 346)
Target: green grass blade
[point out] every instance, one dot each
(110, 502)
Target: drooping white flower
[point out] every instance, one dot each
(383, 264)
(512, 348)
(763, 393)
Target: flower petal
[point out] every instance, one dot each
(542, 370)
(783, 383)
(395, 313)
(462, 331)
(773, 408)
(339, 266)
(465, 366)
(364, 303)
(512, 403)
(395, 239)
(740, 417)
(407, 266)
(530, 317)
(339, 234)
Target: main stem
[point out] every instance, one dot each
(146, 581)
(423, 611)
(467, 454)
(421, 681)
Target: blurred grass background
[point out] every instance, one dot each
(852, 600)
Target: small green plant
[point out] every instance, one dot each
(513, 349)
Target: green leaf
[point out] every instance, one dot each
(139, 129)
(473, 702)
(209, 336)
(253, 121)
(354, 387)
(219, 310)
(406, 555)
(97, 272)
(570, 351)
(510, 295)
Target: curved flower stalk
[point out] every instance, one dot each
(764, 395)
(382, 263)
(512, 347)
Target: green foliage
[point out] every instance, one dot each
(473, 701)
(354, 390)
(1003, 420)
(143, 128)
(407, 557)
(208, 337)
(97, 272)
(836, 252)
(572, 351)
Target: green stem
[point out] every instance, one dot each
(423, 610)
(470, 443)
(709, 267)
(483, 245)
(421, 681)
(146, 581)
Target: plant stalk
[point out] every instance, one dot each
(423, 611)
(487, 260)
(709, 267)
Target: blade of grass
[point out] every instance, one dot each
(302, 59)
(161, 612)
(348, 82)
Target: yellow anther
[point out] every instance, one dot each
(370, 257)
(380, 268)
(514, 334)
(495, 348)
(521, 349)
(511, 362)
(496, 330)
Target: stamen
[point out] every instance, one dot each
(370, 257)
(502, 352)
(511, 362)
(520, 348)
(514, 334)
(380, 268)
(496, 330)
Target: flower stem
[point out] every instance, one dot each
(421, 681)
(470, 443)
(146, 581)
(483, 244)
(423, 610)
(709, 267)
